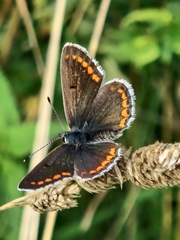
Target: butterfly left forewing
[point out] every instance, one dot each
(81, 77)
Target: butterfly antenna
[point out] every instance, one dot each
(55, 112)
(53, 140)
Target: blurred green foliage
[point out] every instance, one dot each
(141, 43)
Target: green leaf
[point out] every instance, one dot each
(157, 16)
(11, 174)
(8, 109)
(21, 139)
(140, 50)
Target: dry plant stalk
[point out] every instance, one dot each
(153, 166)
(58, 197)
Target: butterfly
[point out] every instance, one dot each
(96, 115)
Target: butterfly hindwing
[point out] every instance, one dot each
(57, 165)
(113, 109)
(93, 159)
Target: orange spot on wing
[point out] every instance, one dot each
(74, 57)
(95, 78)
(40, 183)
(105, 162)
(120, 90)
(99, 168)
(67, 56)
(84, 64)
(112, 151)
(89, 70)
(66, 173)
(57, 176)
(108, 158)
(33, 183)
(48, 180)
(125, 113)
(122, 123)
(92, 171)
(124, 96)
(79, 59)
(112, 154)
(125, 103)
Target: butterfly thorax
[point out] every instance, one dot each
(77, 137)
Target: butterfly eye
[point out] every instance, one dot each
(65, 137)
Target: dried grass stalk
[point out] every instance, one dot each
(58, 197)
(155, 166)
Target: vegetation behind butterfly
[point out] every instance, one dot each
(140, 43)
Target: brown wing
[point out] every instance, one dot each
(92, 160)
(113, 110)
(81, 78)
